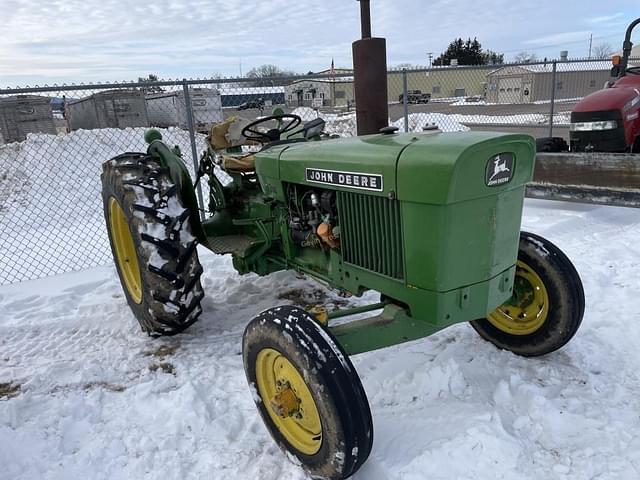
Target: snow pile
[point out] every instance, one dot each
(345, 124)
(50, 200)
(417, 122)
(560, 118)
(92, 397)
(307, 113)
(470, 101)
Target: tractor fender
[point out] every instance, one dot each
(172, 160)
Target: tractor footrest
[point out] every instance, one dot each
(236, 244)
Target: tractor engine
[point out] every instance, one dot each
(313, 217)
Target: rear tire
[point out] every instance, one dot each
(550, 302)
(152, 243)
(332, 433)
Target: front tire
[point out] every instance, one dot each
(152, 243)
(307, 392)
(547, 306)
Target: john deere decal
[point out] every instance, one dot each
(365, 181)
(499, 169)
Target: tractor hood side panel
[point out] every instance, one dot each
(462, 198)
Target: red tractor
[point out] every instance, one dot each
(609, 120)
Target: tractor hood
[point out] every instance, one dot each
(434, 167)
(615, 98)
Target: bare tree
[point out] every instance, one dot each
(525, 57)
(268, 75)
(602, 50)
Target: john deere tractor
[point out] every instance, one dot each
(431, 221)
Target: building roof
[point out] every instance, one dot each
(635, 52)
(325, 80)
(570, 66)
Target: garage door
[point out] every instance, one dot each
(510, 90)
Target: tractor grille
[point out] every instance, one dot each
(371, 233)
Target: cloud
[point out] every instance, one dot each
(91, 40)
(558, 38)
(606, 19)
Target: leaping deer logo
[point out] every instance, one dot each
(499, 166)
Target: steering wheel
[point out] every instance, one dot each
(272, 134)
(633, 70)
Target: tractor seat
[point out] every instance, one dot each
(239, 163)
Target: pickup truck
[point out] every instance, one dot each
(415, 96)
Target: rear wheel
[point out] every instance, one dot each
(547, 305)
(152, 243)
(307, 392)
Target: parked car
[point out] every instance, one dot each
(415, 96)
(256, 103)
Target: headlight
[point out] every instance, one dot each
(590, 126)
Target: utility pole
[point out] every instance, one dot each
(430, 55)
(590, 43)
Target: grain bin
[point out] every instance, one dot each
(23, 114)
(110, 109)
(168, 108)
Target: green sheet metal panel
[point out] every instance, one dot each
(461, 225)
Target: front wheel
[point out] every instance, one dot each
(307, 392)
(547, 305)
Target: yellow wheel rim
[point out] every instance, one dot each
(527, 309)
(125, 250)
(288, 401)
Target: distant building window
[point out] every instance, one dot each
(341, 94)
(435, 89)
(290, 97)
(459, 92)
(516, 89)
(592, 83)
(559, 85)
(321, 95)
(307, 96)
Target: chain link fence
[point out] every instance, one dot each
(54, 139)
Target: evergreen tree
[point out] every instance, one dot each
(468, 53)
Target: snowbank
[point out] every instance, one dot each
(50, 201)
(345, 124)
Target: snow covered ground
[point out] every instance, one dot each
(85, 395)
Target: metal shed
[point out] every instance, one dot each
(23, 114)
(169, 108)
(534, 82)
(110, 109)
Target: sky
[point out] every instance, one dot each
(78, 41)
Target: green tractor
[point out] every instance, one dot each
(429, 220)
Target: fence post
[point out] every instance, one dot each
(192, 137)
(553, 97)
(405, 100)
